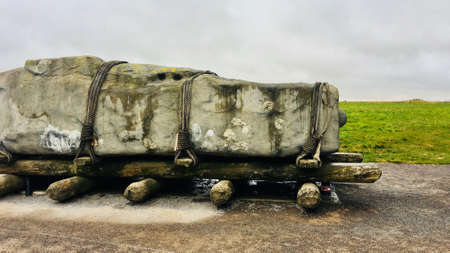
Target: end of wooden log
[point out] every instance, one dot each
(83, 161)
(10, 183)
(340, 157)
(69, 188)
(221, 192)
(184, 162)
(349, 172)
(308, 196)
(308, 164)
(142, 190)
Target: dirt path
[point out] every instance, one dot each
(407, 210)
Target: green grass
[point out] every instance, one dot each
(399, 132)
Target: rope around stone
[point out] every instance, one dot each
(313, 144)
(88, 137)
(183, 138)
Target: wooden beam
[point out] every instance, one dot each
(263, 170)
(52, 167)
(340, 157)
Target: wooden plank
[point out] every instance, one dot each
(39, 168)
(341, 157)
(263, 170)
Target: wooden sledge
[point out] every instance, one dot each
(337, 167)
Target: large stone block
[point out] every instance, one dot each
(43, 105)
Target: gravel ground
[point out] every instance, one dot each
(408, 209)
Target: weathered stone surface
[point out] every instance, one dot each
(142, 190)
(69, 188)
(221, 192)
(308, 196)
(10, 183)
(43, 104)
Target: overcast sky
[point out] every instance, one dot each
(370, 50)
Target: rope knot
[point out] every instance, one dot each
(87, 132)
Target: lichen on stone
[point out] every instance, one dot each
(279, 123)
(268, 106)
(149, 144)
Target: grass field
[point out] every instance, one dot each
(400, 132)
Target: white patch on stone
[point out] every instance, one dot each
(196, 132)
(62, 141)
(245, 129)
(279, 123)
(241, 145)
(207, 144)
(209, 133)
(238, 122)
(232, 143)
(229, 135)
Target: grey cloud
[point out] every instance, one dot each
(371, 50)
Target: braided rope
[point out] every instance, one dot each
(313, 144)
(88, 137)
(183, 136)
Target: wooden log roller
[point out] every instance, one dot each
(221, 192)
(10, 184)
(70, 187)
(142, 190)
(308, 196)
